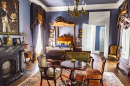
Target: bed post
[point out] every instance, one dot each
(55, 35)
(74, 36)
(58, 31)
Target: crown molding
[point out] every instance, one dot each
(39, 3)
(86, 7)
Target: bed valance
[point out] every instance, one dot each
(62, 22)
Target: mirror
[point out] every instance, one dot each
(125, 43)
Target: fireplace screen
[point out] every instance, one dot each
(7, 68)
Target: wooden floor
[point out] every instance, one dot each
(109, 67)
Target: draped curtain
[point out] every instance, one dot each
(36, 30)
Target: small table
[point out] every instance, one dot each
(68, 64)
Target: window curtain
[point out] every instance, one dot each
(37, 31)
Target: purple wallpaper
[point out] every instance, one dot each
(50, 17)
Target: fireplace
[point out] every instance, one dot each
(8, 68)
(11, 63)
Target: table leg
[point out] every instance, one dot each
(72, 76)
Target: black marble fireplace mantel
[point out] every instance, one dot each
(11, 63)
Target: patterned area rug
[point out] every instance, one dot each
(109, 79)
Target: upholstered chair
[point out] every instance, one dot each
(48, 72)
(113, 52)
(93, 74)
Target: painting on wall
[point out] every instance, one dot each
(9, 17)
(80, 35)
(51, 35)
(80, 30)
(51, 30)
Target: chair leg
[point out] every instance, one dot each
(48, 82)
(100, 81)
(41, 82)
(87, 82)
(55, 82)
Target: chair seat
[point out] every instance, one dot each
(50, 72)
(93, 74)
(114, 56)
(80, 75)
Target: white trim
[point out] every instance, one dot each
(99, 22)
(39, 3)
(87, 7)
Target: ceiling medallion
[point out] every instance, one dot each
(75, 12)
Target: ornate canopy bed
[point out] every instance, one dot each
(64, 39)
(62, 42)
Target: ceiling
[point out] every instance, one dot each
(56, 3)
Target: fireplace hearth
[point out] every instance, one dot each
(11, 63)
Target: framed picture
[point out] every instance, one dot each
(9, 22)
(80, 35)
(80, 30)
(51, 35)
(51, 30)
(1, 44)
(18, 41)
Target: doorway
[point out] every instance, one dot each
(101, 18)
(99, 37)
(93, 38)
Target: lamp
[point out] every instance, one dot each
(76, 12)
(77, 41)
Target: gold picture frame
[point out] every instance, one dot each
(51, 35)
(18, 41)
(80, 36)
(12, 8)
(51, 30)
(1, 44)
(80, 30)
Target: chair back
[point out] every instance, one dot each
(42, 62)
(113, 49)
(102, 64)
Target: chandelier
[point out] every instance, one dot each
(75, 12)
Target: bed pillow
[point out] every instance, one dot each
(64, 45)
(61, 45)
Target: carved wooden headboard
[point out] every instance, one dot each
(64, 39)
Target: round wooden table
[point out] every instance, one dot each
(68, 64)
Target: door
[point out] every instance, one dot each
(87, 36)
(102, 36)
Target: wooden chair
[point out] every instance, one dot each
(48, 72)
(113, 52)
(27, 54)
(93, 74)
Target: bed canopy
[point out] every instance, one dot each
(62, 22)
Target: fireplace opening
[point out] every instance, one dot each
(8, 68)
